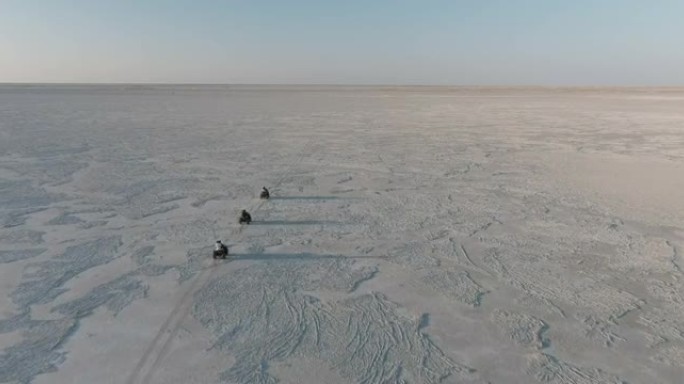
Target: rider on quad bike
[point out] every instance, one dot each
(220, 250)
(265, 194)
(245, 217)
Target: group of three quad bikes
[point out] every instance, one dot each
(220, 249)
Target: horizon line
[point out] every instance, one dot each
(372, 85)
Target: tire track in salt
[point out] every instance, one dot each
(675, 259)
(154, 354)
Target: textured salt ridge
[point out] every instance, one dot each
(455, 284)
(22, 194)
(531, 332)
(521, 328)
(114, 295)
(144, 198)
(16, 217)
(604, 305)
(65, 219)
(46, 283)
(21, 236)
(53, 172)
(40, 350)
(143, 255)
(16, 255)
(547, 369)
(263, 315)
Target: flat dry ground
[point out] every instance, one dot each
(423, 234)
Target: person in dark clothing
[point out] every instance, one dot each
(265, 194)
(220, 250)
(245, 217)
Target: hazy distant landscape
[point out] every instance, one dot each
(415, 234)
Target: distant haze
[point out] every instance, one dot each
(459, 42)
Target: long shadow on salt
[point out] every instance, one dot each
(297, 256)
(296, 222)
(312, 198)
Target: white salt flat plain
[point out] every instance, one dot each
(416, 235)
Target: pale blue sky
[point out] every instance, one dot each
(471, 42)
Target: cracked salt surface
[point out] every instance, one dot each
(474, 237)
(261, 317)
(10, 256)
(47, 281)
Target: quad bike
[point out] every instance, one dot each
(221, 253)
(245, 218)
